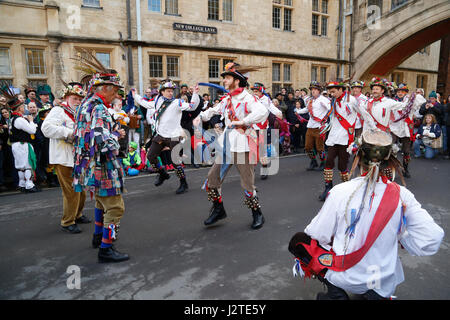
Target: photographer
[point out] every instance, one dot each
(432, 106)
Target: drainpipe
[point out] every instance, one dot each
(339, 38)
(344, 16)
(129, 48)
(350, 57)
(138, 27)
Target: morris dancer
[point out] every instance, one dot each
(96, 166)
(260, 92)
(318, 107)
(341, 135)
(58, 126)
(166, 112)
(356, 232)
(241, 111)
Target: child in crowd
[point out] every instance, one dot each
(121, 119)
(132, 163)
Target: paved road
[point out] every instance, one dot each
(173, 256)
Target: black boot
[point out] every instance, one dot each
(97, 240)
(163, 175)
(313, 164)
(328, 187)
(334, 293)
(111, 255)
(183, 186)
(406, 173)
(258, 219)
(217, 213)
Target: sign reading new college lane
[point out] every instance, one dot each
(194, 28)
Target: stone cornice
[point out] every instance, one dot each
(64, 38)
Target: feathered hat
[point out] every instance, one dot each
(27, 88)
(239, 72)
(376, 154)
(95, 73)
(403, 87)
(12, 98)
(258, 86)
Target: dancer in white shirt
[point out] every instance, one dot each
(356, 233)
(166, 113)
(318, 107)
(341, 135)
(239, 142)
(259, 91)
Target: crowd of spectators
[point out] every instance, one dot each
(432, 130)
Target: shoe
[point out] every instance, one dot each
(217, 213)
(334, 293)
(163, 175)
(73, 228)
(312, 165)
(328, 187)
(97, 240)
(32, 190)
(264, 177)
(111, 255)
(171, 168)
(3, 188)
(83, 220)
(406, 174)
(183, 187)
(258, 219)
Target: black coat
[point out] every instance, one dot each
(437, 111)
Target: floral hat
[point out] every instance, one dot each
(358, 83)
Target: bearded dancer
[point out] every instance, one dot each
(239, 142)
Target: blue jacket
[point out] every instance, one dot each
(435, 128)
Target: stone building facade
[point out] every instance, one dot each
(189, 41)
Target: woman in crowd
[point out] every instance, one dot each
(426, 137)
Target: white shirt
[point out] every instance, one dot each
(24, 125)
(256, 113)
(320, 107)
(168, 125)
(419, 235)
(339, 135)
(57, 126)
(400, 128)
(380, 112)
(266, 102)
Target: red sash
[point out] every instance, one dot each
(410, 124)
(310, 110)
(323, 259)
(347, 126)
(379, 125)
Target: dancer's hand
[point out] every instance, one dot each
(196, 89)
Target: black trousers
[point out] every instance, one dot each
(340, 152)
(158, 144)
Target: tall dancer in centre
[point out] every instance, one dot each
(239, 142)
